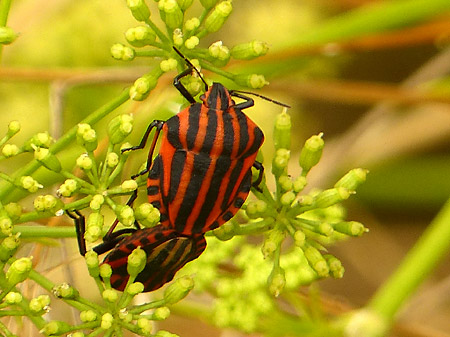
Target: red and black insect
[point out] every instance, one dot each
(167, 251)
(198, 181)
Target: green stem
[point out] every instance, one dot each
(416, 266)
(6, 188)
(43, 232)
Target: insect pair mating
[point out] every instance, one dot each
(199, 180)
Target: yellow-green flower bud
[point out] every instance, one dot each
(112, 159)
(192, 24)
(336, 268)
(218, 16)
(280, 162)
(299, 238)
(225, 232)
(13, 298)
(87, 137)
(208, 3)
(285, 183)
(64, 290)
(299, 184)
(353, 179)
(10, 150)
(129, 185)
(14, 210)
(139, 9)
(40, 304)
(168, 65)
(110, 295)
(9, 246)
(105, 271)
(161, 314)
(256, 209)
(140, 36)
(6, 225)
(142, 87)
(311, 153)
(325, 228)
(178, 290)
(84, 162)
(287, 198)
(92, 263)
(136, 262)
(44, 203)
(249, 50)
(122, 52)
(77, 334)
(68, 188)
(177, 37)
(125, 316)
(41, 139)
(19, 270)
(107, 321)
(13, 128)
(272, 242)
(135, 288)
(145, 326)
(55, 328)
(7, 35)
(331, 197)
(125, 214)
(47, 159)
(172, 14)
(29, 184)
(220, 53)
(164, 333)
(97, 202)
(316, 261)
(277, 281)
(253, 81)
(119, 128)
(282, 131)
(88, 316)
(147, 215)
(192, 42)
(185, 4)
(352, 228)
(94, 227)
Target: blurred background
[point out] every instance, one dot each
(373, 76)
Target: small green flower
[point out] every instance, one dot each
(145, 326)
(249, 50)
(178, 290)
(68, 188)
(107, 321)
(125, 214)
(143, 85)
(19, 271)
(219, 53)
(140, 36)
(105, 271)
(9, 246)
(139, 9)
(136, 262)
(110, 295)
(119, 128)
(147, 215)
(168, 65)
(122, 52)
(97, 202)
(161, 314)
(253, 81)
(352, 228)
(185, 4)
(88, 316)
(6, 225)
(47, 159)
(64, 290)
(29, 183)
(311, 153)
(171, 13)
(85, 162)
(208, 3)
(316, 261)
(13, 128)
(56, 328)
(92, 263)
(40, 305)
(135, 288)
(87, 137)
(218, 16)
(192, 42)
(353, 179)
(192, 24)
(282, 131)
(277, 282)
(112, 159)
(13, 298)
(7, 35)
(10, 150)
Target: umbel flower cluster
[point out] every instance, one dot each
(297, 226)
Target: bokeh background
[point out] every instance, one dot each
(373, 76)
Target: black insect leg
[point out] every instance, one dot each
(80, 228)
(248, 102)
(158, 124)
(257, 165)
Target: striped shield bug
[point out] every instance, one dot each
(167, 251)
(203, 171)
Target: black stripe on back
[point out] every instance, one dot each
(200, 167)
(173, 131)
(194, 124)
(222, 166)
(259, 137)
(228, 134)
(211, 130)
(178, 162)
(243, 131)
(234, 176)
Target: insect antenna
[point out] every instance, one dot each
(190, 65)
(260, 96)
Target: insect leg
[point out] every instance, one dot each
(80, 228)
(257, 165)
(248, 102)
